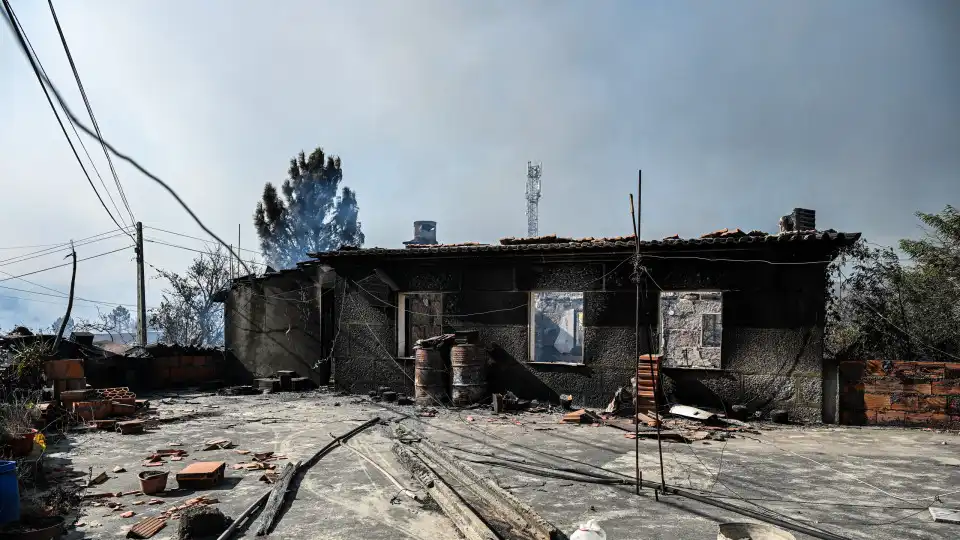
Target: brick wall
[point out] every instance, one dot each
(875, 392)
(182, 370)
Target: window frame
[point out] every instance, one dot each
(402, 319)
(663, 330)
(532, 329)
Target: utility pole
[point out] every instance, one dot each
(141, 291)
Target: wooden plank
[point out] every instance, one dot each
(269, 516)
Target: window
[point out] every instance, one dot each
(691, 329)
(420, 317)
(710, 330)
(556, 327)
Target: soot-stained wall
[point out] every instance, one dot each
(273, 323)
(772, 325)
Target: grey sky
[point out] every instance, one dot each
(736, 112)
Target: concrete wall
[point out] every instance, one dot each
(923, 394)
(272, 323)
(772, 327)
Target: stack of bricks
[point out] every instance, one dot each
(901, 393)
(648, 382)
(186, 370)
(122, 401)
(65, 375)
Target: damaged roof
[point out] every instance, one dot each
(553, 244)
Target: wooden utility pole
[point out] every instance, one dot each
(141, 291)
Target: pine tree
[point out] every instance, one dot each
(313, 214)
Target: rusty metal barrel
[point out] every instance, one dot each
(430, 384)
(468, 374)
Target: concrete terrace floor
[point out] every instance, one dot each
(859, 483)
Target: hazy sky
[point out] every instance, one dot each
(737, 112)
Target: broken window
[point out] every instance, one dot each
(691, 329)
(421, 318)
(557, 327)
(710, 330)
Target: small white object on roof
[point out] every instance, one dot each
(691, 412)
(945, 515)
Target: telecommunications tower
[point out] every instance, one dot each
(533, 197)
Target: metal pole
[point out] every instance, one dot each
(654, 376)
(141, 291)
(238, 250)
(636, 355)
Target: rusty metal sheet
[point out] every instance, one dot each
(147, 527)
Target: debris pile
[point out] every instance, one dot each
(285, 381)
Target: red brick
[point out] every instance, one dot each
(167, 362)
(891, 385)
(904, 402)
(201, 361)
(178, 374)
(952, 370)
(160, 373)
(874, 367)
(63, 369)
(937, 404)
(950, 387)
(925, 418)
(889, 417)
(186, 361)
(876, 401)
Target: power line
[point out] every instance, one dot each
(101, 302)
(38, 70)
(64, 264)
(93, 119)
(198, 238)
(59, 249)
(48, 83)
(162, 243)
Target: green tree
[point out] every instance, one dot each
(906, 308)
(310, 212)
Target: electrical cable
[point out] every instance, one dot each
(198, 238)
(64, 264)
(7, 262)
(20, 35)
(60, 248)
(100, 302)
(49, 84)
(162, 243)
(93, 119)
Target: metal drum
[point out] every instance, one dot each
(431, 381)
(468, 370)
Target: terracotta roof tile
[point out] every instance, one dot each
(551, 244)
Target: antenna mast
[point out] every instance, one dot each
(533, 198)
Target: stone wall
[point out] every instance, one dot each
(923, 394)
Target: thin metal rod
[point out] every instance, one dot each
(636, 353)
(654, 376)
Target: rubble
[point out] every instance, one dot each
(202, 522)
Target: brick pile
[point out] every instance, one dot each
(924, 394)
(65, 375)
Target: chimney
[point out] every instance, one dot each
(424, 232)
(804, 220)
(82, 338)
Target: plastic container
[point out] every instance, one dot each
(589, 531)
(9, 492)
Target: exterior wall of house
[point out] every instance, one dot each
(772, 326)
(272, 323)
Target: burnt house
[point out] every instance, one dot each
(738, 318)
